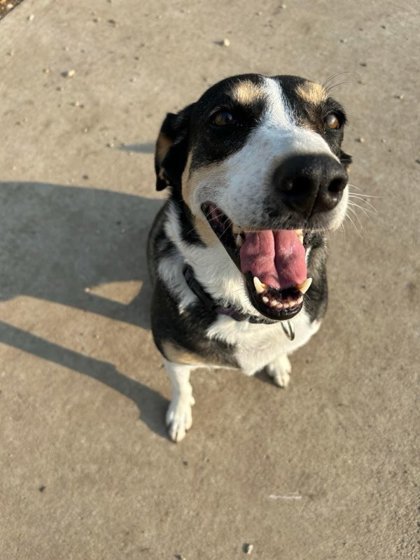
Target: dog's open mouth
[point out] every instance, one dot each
(273, 263)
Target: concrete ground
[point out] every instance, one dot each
(328, 469)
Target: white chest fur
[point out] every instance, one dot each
(258, 345)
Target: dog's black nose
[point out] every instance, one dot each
(310, 183)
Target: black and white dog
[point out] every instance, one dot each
(237, 254)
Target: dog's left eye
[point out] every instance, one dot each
(222, 117)
(332, 121)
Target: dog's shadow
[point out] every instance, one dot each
(57, 244)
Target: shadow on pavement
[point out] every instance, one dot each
(151, 404)
(145, 148)
(56, 243)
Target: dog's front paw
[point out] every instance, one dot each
(179, 417)
(280, 371)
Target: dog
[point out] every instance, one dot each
(237, 254)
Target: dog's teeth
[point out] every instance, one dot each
(259, 286)
(304, 287)
(265, 299)
(299, 233)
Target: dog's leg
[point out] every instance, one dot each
(280, 370)
(179, 417)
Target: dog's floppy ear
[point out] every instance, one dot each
(172, 149)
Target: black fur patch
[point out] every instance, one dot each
(170, 162)
(188, 331)
(188, 232)
(211, 143)
(316, 299)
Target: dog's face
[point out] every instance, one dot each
(258, 163)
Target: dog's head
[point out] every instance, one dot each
(258, 164)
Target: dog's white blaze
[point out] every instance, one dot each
(279, 113)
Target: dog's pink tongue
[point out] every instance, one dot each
(277, 258)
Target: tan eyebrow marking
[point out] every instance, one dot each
(311, 92)
(246, 92)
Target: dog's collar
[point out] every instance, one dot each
(228, 310)
(208, 301)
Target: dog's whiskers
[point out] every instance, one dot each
(329, 84)
(225, 224)
(338, 84)
(353, 186)
(361, 195)
(365, 207)
(363, 201)
(368, 209)
(353, 222)
(333, 77)
(359, 201)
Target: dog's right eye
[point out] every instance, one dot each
(223, 117)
